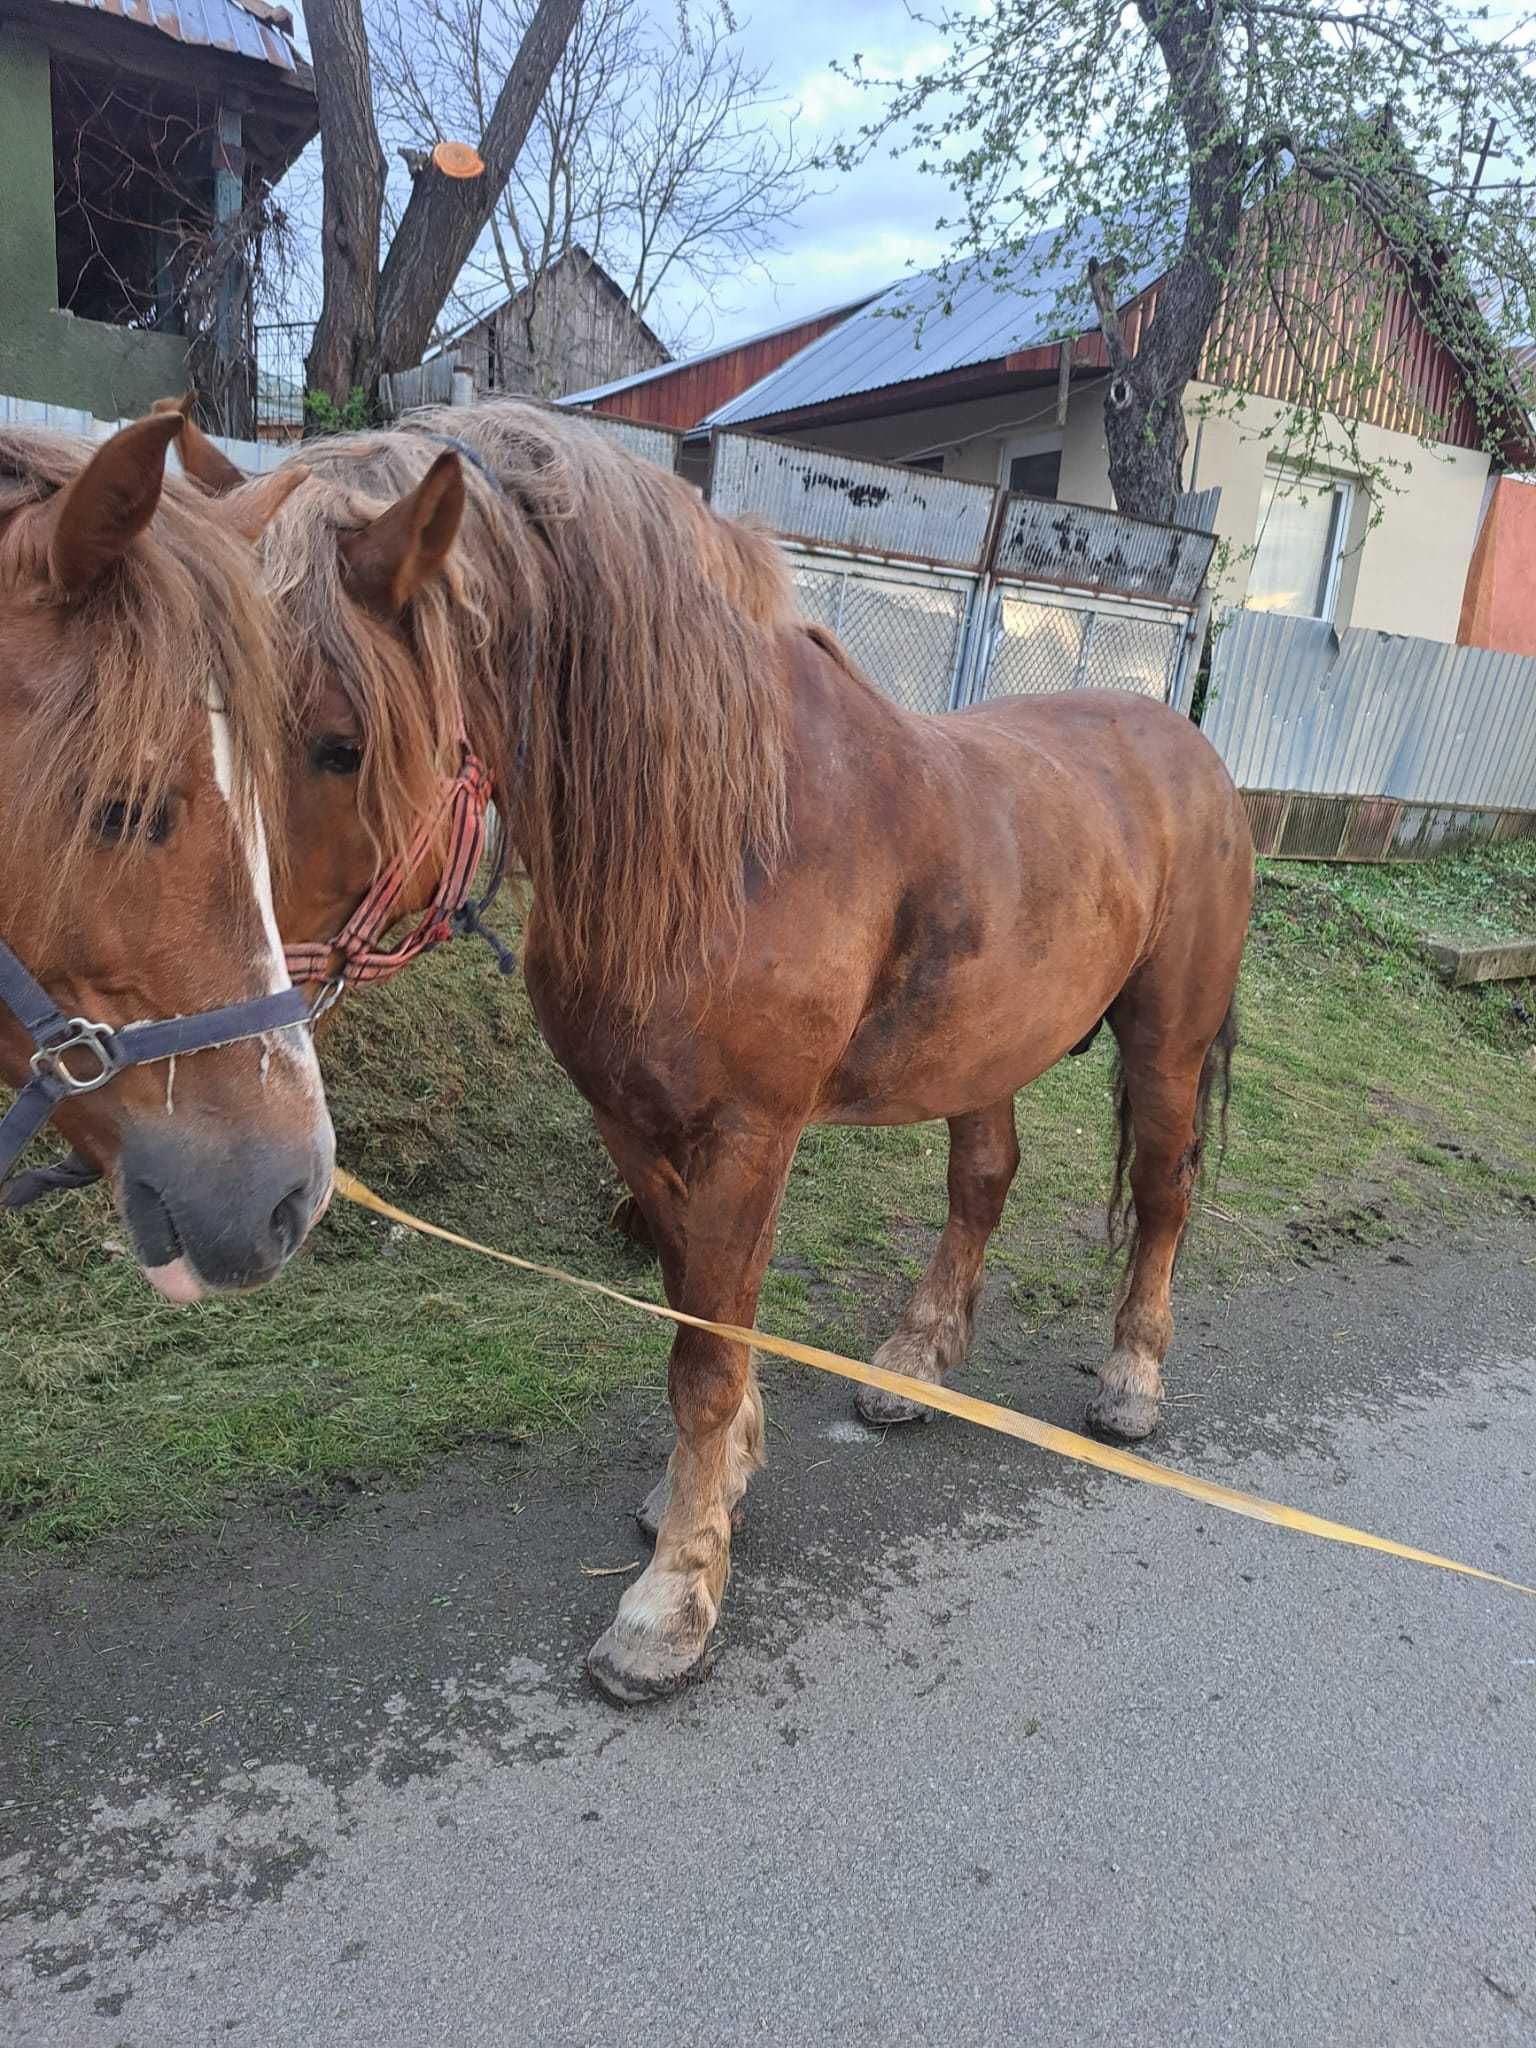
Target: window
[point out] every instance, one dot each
(1032, 463)
(1303, 525)
(1039, 475)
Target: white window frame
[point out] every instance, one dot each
(1342, 490)
(1042, 441)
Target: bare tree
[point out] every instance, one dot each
(378, 315)
(658, 150)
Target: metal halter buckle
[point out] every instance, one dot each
(330, 995)
(80, 1035)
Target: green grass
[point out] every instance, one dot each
(1356, 1073)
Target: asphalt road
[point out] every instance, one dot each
(994, 1750)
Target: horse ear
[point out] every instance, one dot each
(94, 518)
(386, 562)
(250, 510)
(200, 460)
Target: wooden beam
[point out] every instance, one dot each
(1459, 965)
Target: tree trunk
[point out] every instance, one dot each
(1144, 406)
(445, 216)
(1145, 436)
(353, 198)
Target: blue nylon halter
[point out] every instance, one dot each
(102, 1051)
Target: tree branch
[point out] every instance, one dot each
(445, 217)
(1102, 280)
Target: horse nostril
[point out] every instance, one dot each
(290, 1220)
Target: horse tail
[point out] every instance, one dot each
(1215, 1083)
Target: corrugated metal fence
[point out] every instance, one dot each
(948, 592)
(1371, 746)
(250, 456)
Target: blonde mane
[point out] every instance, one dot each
(180, 617)
(612, 647)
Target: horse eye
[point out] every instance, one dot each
(336, 755)
(124, 818)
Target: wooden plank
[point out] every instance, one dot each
(1460, 965)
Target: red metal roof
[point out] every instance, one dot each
(679, 394)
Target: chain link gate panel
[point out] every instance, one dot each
(1031, 643)
(905, 628)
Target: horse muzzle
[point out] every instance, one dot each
(207, 1215)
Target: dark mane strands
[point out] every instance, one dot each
(176, 618)
(639, 746)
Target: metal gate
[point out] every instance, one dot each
(948, 592)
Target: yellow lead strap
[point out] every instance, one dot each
(1066, 1443)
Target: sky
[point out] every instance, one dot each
(863, 229)
(855, 233)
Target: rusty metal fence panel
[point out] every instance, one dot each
(948, 592)
(651, 444)
(1081, 547)
(824, 500)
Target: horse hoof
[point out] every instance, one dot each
(1122, 1416)
(880, 1410)
(632, 1669)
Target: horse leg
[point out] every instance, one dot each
(935, 1333)
(658, 1196)
(660, 1636)
(1166, 1081)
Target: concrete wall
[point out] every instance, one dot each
(46, 354)
(1404, 575)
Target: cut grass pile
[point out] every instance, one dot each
(1368, 1099)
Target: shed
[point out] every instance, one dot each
(143, 138)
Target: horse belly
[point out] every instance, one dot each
(925, 1052)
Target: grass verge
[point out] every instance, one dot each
(1368, 1100)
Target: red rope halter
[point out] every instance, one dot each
(361, 959)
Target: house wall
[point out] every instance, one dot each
(579, 335)
(1405, 574)
(1499, 607)
(46, 354)
(970, 437)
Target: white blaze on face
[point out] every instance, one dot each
(295, 1041)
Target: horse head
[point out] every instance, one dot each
(141, 761)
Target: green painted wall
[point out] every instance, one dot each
(113, 372)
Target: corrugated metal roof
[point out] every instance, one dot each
(926, 325)
(260, 32)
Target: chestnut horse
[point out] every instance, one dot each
(762, 895)
(142, 725)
